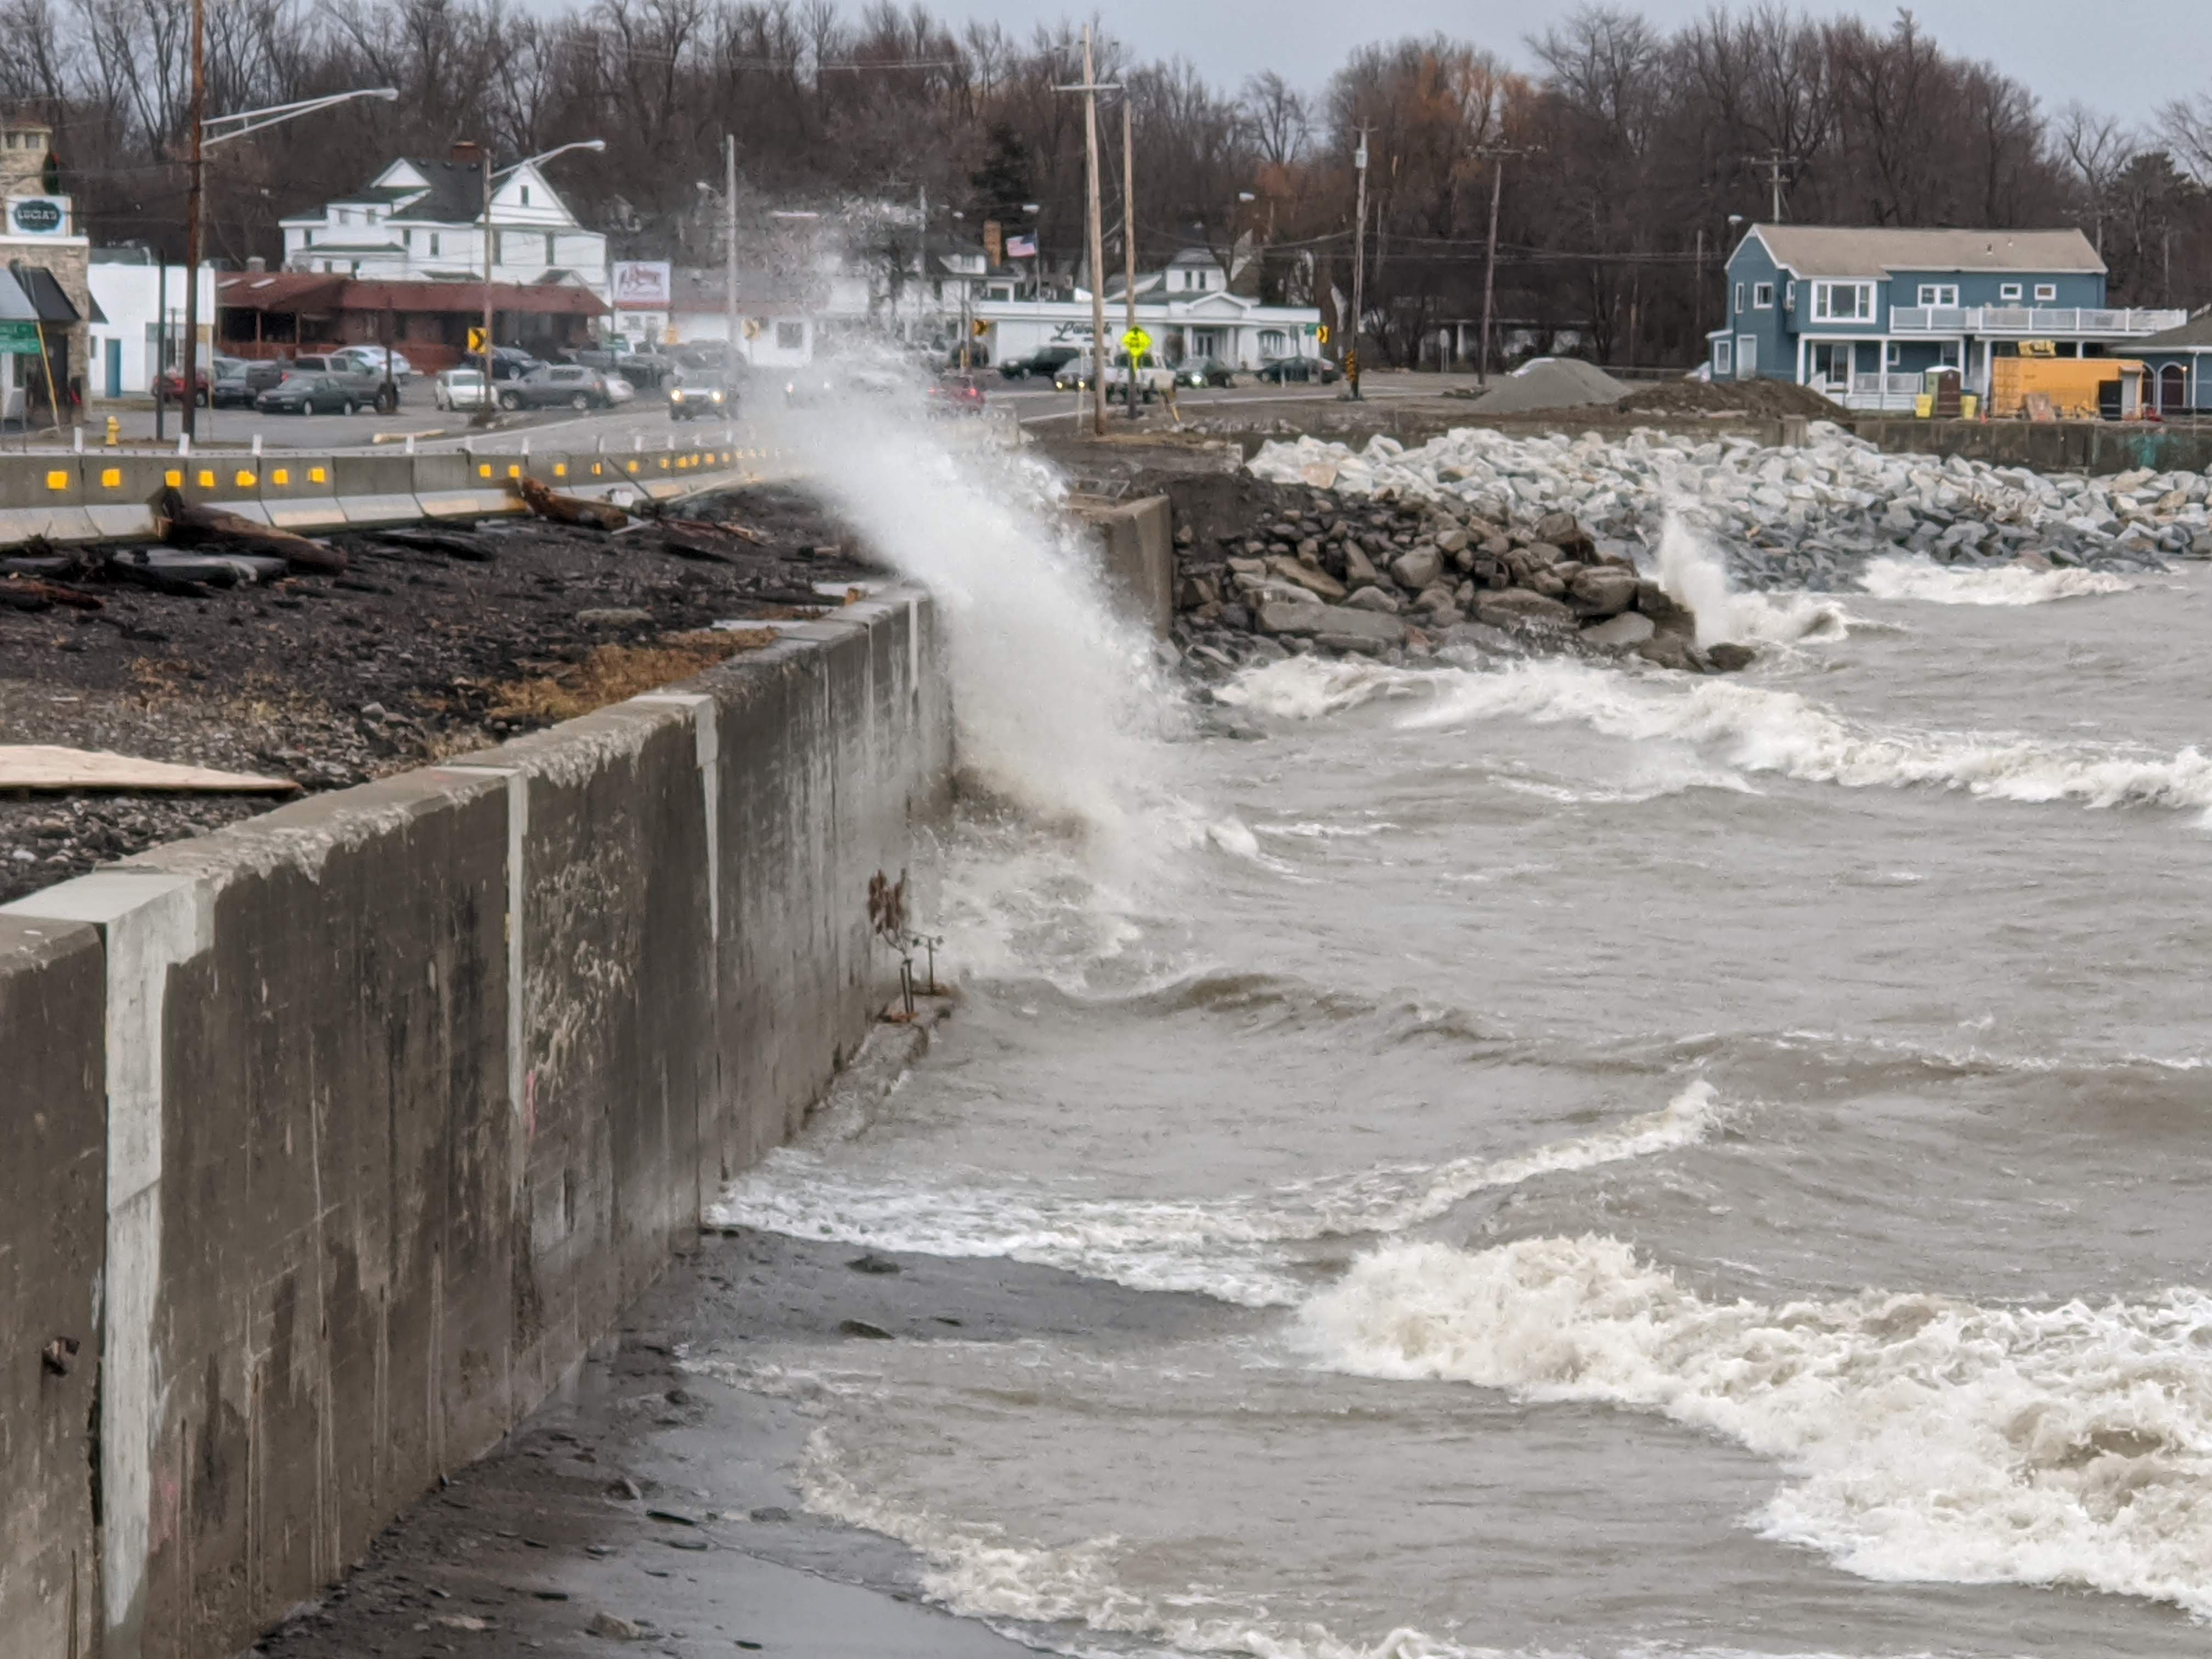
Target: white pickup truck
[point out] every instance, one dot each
(1153, 376)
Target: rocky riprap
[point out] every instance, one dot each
(1808, 517)
(1402, 581)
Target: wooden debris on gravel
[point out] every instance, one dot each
(195, 523)
(550, 504)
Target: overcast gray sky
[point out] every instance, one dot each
(2123, 56)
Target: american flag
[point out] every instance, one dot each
(1021, 247)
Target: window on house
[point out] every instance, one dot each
(2046, 293)
(1723, 358)
(434, 244)
(1790, 296)
(1843, 302)
(1739, 298)
(2009, 292)
(1939, 294)
(1746, 356)
(1892, 355)
(790, 337)
(526, 196)
(549, 247)
(1762, 296)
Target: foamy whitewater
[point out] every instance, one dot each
(1533, 1158)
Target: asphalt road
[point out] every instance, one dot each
(648, 417)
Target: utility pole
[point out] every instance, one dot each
(1090, 90)
(1129, 241)
(1497, 155)
(1358, 267)
(1774, 163)
(189, 426)
(484, 160)
(730, 276)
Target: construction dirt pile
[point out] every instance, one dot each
(1550, 383)
(1767, 399)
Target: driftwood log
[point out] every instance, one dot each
(195, 523)
(548, 504)
(29, 594)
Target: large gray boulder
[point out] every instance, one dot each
(1602, 589)
(1416, 567)
(1517, 607)
(1620, 633)
(1336, 621)
(1378, 599)
(1316, 581)
(1358, 569)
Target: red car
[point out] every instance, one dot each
(957, 394)
(169, 386)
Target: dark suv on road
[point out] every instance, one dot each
(1041, 364)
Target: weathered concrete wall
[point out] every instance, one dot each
(53, 1222)
(1137, 544)
(2087, 446)
(408, 1090)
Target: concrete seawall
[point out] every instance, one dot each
(336, 1138)
(2087, 446)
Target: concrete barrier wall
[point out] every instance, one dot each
(338, 1135)
(1137, 545)
(102, 495)
(2087, 447)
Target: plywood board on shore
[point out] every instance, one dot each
(49, 768)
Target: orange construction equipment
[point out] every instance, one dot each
(2075, 387)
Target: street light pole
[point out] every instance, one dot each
(1358, 266)
(192, 197)
(1129, 242)
(202, 140)
(730, 276)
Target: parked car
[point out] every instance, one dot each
(619, 389)
(241, 380)
(1040, 365)
(508, 362)
(312, 393)
(366, 390)
(169, 386)
(461, 388)
(956, 394)
(1299, 371)
(552, 384)
(1204, 372)
(700, 394)
(1074, 375)
(369, 359)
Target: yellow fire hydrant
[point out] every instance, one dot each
(114, 433)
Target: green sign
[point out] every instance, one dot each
(19, 339)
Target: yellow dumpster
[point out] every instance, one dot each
(1924, 405)
(1969, 405)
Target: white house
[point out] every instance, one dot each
(1188, 306)
(425, 221)
(775, 322)
(134, 297)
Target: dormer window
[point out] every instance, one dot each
(526, 196)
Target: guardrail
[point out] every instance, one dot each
(109, 494)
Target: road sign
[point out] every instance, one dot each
(979, 328)
(1321, 332)
(1136, 343)
(476, 339)
(752, 328)
(19, 339)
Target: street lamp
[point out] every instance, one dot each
(483, 410)
(204, 133)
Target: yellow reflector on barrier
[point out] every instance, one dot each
(57, 481)
(207, 479)
(597, 469)
(514, 472)
(246, 480)
(560, 468)
(633, 466)
(315, 475)
(282, 477)
(111, 478)
(484, 470)
(173, 478)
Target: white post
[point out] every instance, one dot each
(257, 445)
(410, 443)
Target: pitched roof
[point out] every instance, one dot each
(1877, 250)
(455, 192)
(2197, 332)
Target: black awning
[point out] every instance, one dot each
(45, 294)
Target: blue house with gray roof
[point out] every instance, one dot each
(1860, 315)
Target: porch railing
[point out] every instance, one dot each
(2030, 321)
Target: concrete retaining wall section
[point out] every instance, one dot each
(2087, 447)
(53, 1223)
(1137, 545)
(402, 1093)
